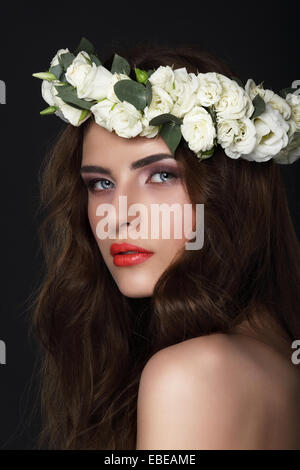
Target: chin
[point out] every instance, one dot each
(135, 287)
(137, 295)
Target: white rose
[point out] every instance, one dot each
(184, 93)
(102, 109)
(294, 102)
(292, 128)
(291, 152)
(92, 81)
(149, 131)
(66, 112)
(281, 105)
(163, 77)
(125, 119)
(198, 129)
(55, 60)
(252, 89)
(48, 92)
(78, 70)
(101, 112)
(209, 88)
(271, 135)
(237, 136)
(226, 130)
(161, 103)
(234, 102)
(269, 97)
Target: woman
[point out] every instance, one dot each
(185, 349)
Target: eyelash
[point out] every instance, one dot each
(90, 183)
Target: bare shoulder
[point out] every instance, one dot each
(213, 388)
(225, 358)
(215, 357)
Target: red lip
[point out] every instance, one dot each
(117, 248)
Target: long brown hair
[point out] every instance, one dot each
(94, 340)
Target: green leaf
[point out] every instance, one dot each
(49, 110)
(201, 156)
(171, 133)
(133, 92)
(259, 106)
(95, 59)
(83, 115)
(238, 81)
(286, 91)
(69, 95)
(63, 78)
(141, 75)
(66, 59)
(85, 45)
(120, 65)
(164, 118)
(45, 76)
(206, 154)
(87, 59)
(57, 70)
(98, 101)
(148, 92)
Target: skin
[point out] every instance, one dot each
(106, 149)
(221, 391)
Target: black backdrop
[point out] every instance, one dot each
(259, 41)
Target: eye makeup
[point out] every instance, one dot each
(159, 168)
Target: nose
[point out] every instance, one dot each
(122, 199)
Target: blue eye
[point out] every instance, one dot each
(104, 182)
(163, 172)
(91, 184)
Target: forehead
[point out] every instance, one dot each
(99, 144)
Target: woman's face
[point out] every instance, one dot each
(152, 181)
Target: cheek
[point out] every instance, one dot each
(181, 224)
(92, 216)
(183, 219)
(94, 220)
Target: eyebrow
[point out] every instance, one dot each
(137, 164)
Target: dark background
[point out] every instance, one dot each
(257, 40)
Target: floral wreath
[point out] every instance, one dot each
(206, 109)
